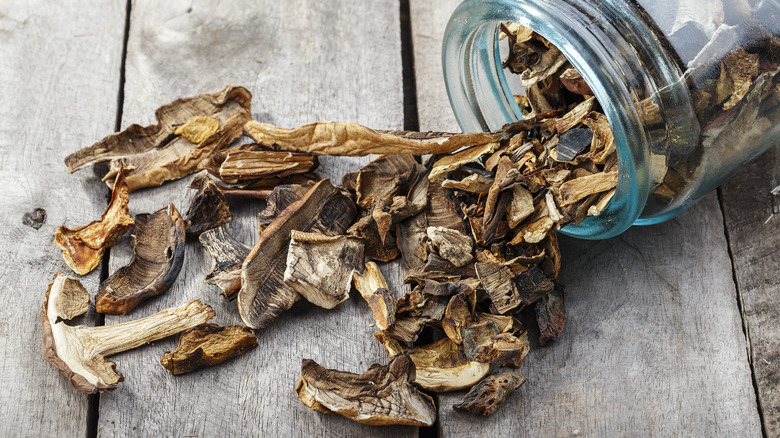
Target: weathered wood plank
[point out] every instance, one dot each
(304, 61)
(753, 225)
(59, 78)
(653, 344)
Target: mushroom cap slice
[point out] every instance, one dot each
(228, 255)
(159, 254)
(488, 395)
(83, 247)
(207, 345)
(79, 352)
(383, 395)
(208, 208)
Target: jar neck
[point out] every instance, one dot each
(612, 45)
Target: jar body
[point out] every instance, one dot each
(690, 88)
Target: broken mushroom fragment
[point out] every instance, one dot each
(79, 352)
(551, 316)
(497, 280)
(159, 254)
(264, 294)
(320, 267)
(246, 165)
(382, 396)
(383, 178)
(208, 208)
(227, 257)
(452, 245)
(488, 395)
(353, 140)
(154, 154)
(207, 345)
(373, 288)
(83, 247)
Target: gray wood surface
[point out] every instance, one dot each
(304, 61)
(653, 344)
(59, 76)
(753, 224)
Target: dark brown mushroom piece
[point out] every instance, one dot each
(320, 267)
(438, 269)
(413, 311)
(484, 342)
(411, 232)
(459, 314)
(280, 198)
(83, 247)
(551, 316)
(531, 285)
(159, 254)
(208, 208)
(157, 153)
(373, 288)
(227, 257)
(382, 396)
(376, 248)
(264, 294)
(79, 352)
(497, 280)
(207, 345)
(383, 178)
(488, 395)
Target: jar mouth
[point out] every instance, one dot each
(481, 98)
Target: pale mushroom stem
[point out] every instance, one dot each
(116, 338)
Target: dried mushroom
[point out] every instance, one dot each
(383, 178)
(452, 245)
(207, 345)
(373, 288)
(83, 247)
(264, 294)
(551, 316)
(246, 165)
(208, 208)
(488, 395)
(227, 255)
(383, 395)
(159, 254)
(154, 154)
(79, 352)
(320, 267)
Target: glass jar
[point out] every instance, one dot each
(689, 87)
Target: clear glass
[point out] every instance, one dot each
(676, 79)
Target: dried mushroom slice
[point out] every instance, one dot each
(351, 139)
(497, 280)
(208, 208)
(83, 247)
(207, 345)
(246, 165)
(159, 254)
(320, 267)
(366, 229)
(413, 311)
(373, 288)
(551, 316)
(79, 352)
(227, 257)
(459, 314)
(382, 396)
(488, 395)
(280, 198)
(264, 294)
(154, 154)
(383, 178)
(452, 245)
(484, 342)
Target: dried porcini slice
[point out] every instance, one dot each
(79, 352)
(208, 208)
(488, 395)
(459, 314)
(551, 316)
(498, 282)
(351, 139)
(83, 247)
(280, 198)
(320, 267)
(264, 294)
(227, 256)
(154, 154)
(373, 288)
(484, 342)
(207, 345)
(159, 254)
(382, 396)
(246, 165)
(383, 178)
(452, 245)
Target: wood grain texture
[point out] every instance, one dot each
(753, 223)
(304, 61)
(653, 344)
(59, 78)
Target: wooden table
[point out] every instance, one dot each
(672, 330)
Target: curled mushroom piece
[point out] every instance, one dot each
(488, 395)
(83, 247)
(208, 208)
(207, 345)
(227, 256)
(382, 396)
(79, 352)
(373, 288)
(159, 254)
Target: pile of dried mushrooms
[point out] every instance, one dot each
(474, 224)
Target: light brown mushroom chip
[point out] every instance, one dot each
(79, 352)
(520, 207)
(373, 288)
(83, 247)
(454, 161)
(578, 188)
(264, 294)
(382, 396)
(575, 116)
(498, 282)
(351, 139)
(227, 257)
(207, 345)
(484, 342)
(320, 267)
(154, 154)
(459, 314)
(413, 311)
(488, 395)
(452, 245)
(474, 183)
(246, 165)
